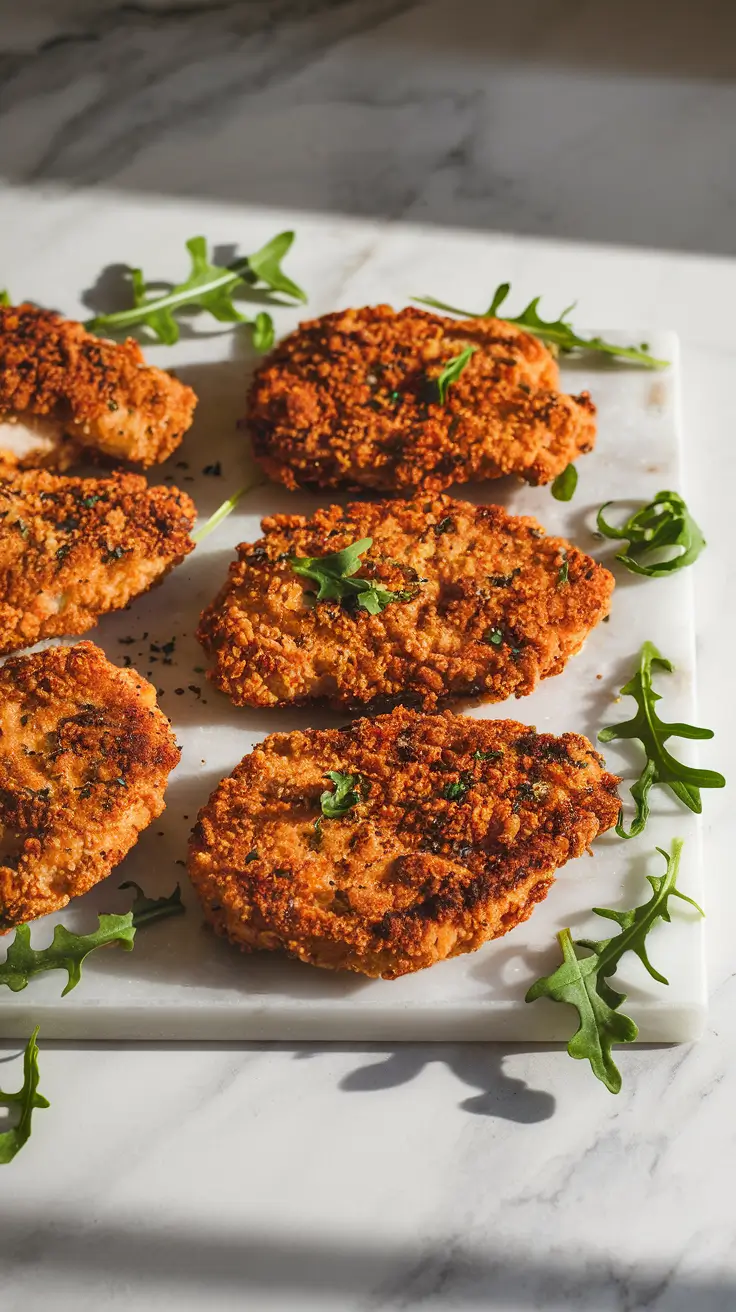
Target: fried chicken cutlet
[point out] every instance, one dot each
(486, 605)
(74, 392)
(351, 401)
(85, 754)
(72, 549)
(442, 832)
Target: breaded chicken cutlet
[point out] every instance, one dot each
(72, 549)
(74, 392)
(85, 754)
(351, 401)
(448, 831)
(486, 605)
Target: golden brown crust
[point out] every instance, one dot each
(462, 826)
(102, 394)
(72, 549)
(348, 401)
(85, 754)
(490, 614)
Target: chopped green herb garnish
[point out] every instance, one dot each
(665, 522)
(346, 794)
(452, 371)
(685, 781)
(558, 332)
(563, 487)
(493, 637)
(28, 1099)
(582, 982)
(209, 287)
(455, 792)
(253, 855)
(479, 755)
(563, 574)
(335, 576)
(4, 297)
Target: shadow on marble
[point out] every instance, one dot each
(159, 1260)
(480, 1066)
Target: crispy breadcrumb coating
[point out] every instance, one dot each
(92, 393)
(460, 827)
(72, 549)
(85, 754)
(350, 401)
(494, 606)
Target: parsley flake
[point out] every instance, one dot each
(346, 794)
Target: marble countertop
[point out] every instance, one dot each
(595, 147)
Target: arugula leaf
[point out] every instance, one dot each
(664, 522)
(66, 951)
(209, 287)
(27, 1098)
(583, 981)
(145, 909)
(334, 574)
(563, 487)
(225, 509)
(265, 266)
(685, 781)
(346, 794)
(452, 372)
(559, 332)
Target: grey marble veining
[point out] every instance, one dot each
(540, 118)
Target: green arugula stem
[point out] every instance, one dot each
(209, 287)
(230, 276)
(226, 509)
(559, 332)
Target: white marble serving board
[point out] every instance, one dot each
(182, 983)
